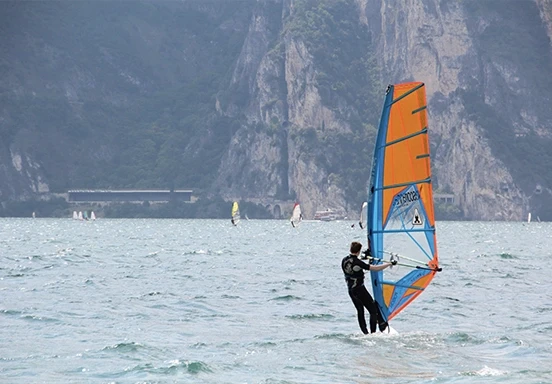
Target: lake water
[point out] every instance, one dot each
(201, 301)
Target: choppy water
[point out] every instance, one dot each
(201, 301)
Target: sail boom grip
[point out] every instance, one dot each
(432, 229)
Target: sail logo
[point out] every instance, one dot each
(417, 219)
(407, 197)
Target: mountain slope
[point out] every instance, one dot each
(274, 99)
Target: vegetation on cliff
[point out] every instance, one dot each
(124, 95)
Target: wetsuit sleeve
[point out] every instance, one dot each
(362, 264)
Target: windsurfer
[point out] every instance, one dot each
(353, 268)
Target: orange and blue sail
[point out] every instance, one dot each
(401, 217)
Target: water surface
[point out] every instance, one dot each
(201, 301)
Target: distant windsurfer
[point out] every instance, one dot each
(353, 268)
(233, 222)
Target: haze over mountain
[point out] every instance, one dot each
(274, 99)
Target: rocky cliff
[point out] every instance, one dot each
(295, 111)
(275, 99)
(479, 86)
(466, 55)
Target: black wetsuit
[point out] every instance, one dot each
(353, 268)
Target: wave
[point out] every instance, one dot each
(173, 367)
(16, 275)
(507, 256)
(463, 338)
(38, 318)
(286, 298)
(337, 336)
(311, 316)
(225, 296)
(485, 371)
(125, 347)
(10, 312)
(197, 252)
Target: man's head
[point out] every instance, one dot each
(355, 248)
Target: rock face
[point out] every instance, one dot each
(545, 10)
(269, 155)
(19, 172)
(432, 40)
(486, 67)
(449, 46)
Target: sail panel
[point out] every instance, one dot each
(296, 215)
(363, 212)
(400, 207)
(401, 162)
(235, 213)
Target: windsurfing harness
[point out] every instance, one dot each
(353, 269)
